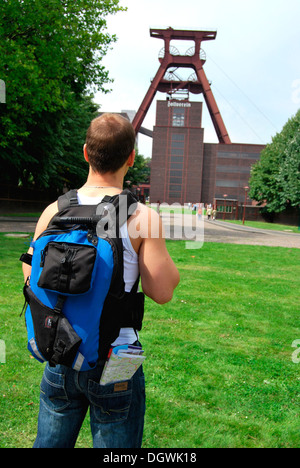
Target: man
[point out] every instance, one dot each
(65, 393)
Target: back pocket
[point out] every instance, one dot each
(110, 402)
(67, 268)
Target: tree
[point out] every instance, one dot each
(56, 145)
(275, 178)
(289, 173)
(140, 172)
(51, 61)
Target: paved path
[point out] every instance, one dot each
(219, 231)
(17, 224)
(214, 231)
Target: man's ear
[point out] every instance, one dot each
(130, 161)
(86, 156)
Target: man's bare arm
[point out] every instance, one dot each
(159, 274)
(42, 224)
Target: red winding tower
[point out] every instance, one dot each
(196, 84)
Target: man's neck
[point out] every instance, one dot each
(110, 180)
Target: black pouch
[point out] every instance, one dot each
(127, 312)
(67, 268)
(55, 337)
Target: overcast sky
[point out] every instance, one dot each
(254, 63)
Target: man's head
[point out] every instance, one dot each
(110, 140)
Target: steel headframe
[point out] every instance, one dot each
(195, 61)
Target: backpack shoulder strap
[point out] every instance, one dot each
(70, 199)
(122, 204)
(67, 199)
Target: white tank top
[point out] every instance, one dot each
(131, 268)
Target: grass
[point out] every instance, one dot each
(265, 225)
(175, 208)
(21, 215)
(219, 367)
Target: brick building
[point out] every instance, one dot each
(185, 169)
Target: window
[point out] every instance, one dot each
(176, 173)
(175, 187)
(178, 117)
(177, 151)
(232, 155)
(227, 208)
(175, 180)
(233, 169)
(175, 195)
(176, 159)
(176, 156)
(176, 166)
(177, 144)
(228, 183)
(177, 137)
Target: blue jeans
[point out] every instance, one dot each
(116, 410)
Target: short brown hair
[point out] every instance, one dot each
(109, 141)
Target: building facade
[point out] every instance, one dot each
(184, 169)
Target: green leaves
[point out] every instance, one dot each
(140, 172)
(275, 178)
(50, 60)
(289, 173)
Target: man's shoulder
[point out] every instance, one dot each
(146, 213)
(51, 210)
(45, 218)
(145, 223)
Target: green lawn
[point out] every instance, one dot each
(219, 367)
(21, 215)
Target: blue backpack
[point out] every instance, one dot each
(75, 297)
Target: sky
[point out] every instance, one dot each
(253, 64)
